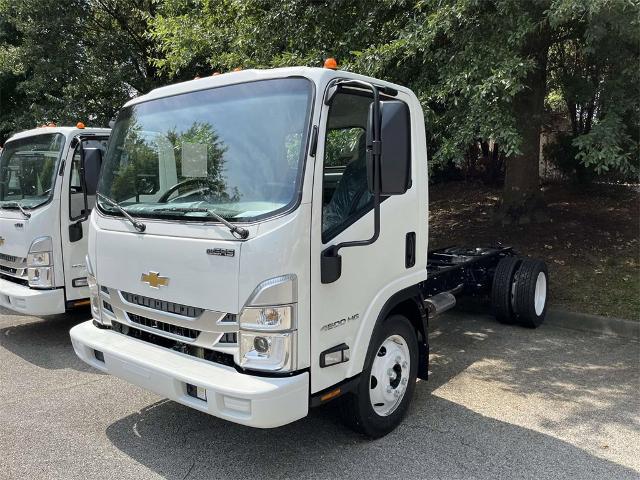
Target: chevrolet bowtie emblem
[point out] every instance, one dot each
(1, 241)
(154, 280)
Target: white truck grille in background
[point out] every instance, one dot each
(14, 267)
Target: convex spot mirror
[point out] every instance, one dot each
(395, 156)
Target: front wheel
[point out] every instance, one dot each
(387, 382)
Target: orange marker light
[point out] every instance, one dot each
(331, 63)
(215, 74)
(237, 69)
(80, 125)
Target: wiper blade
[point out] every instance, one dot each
(139, 226)
(20, 207)
(235, 230)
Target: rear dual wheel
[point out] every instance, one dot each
(519, 291)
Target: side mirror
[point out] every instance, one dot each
(395, 156)
(91, 163)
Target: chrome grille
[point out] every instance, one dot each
(9, 258)
(13, 266)
(8, 270)
(163, 306)
(229, 337)
(164, 327)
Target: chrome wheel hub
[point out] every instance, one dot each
(389, 375)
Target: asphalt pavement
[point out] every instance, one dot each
(501, 402)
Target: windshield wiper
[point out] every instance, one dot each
(20, 207)
(235, 230)
(139, 226)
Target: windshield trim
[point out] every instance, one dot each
(56, 169)
(284, 210)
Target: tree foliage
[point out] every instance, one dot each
(65, 62)
(479, 67)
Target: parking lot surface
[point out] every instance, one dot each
(501, 402)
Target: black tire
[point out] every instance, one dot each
(501, 288)
(524, 303)
(356, 409)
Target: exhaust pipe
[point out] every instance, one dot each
(440, 303)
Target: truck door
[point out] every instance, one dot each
(344, 311)
(74, 217)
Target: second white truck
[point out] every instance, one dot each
(259, 247)
(48, 178)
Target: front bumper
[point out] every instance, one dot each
(262, 402)
(30, 301)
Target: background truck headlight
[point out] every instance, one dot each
(40, 272)
(94, 292)
(268, 326)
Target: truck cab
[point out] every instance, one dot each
(48, 178)
(259, 246)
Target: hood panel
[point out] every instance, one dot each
(14, 240)
(194, 277)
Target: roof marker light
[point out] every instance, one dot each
(80, 125)
(331, 63)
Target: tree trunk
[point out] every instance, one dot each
(522, 197)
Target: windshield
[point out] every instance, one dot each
(27, 170)
(236, 150)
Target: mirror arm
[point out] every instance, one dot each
(83, 182)
(331, 262)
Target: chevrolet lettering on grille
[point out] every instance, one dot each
(154, 280)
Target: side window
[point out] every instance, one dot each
(76, 194)
(346, 195)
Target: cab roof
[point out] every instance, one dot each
(320, 76)
(66, 131)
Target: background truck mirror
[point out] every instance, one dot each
(395, 154)
(91, 163)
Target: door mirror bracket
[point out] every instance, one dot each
(330, 259)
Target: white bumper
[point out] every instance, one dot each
(250, 400)
(30, 301)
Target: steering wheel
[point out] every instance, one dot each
(165, 196)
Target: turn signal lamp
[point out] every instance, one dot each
(237, 69)
(331, 63)
(80, 125)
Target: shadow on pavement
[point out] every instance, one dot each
(44, 341)
(439, 438)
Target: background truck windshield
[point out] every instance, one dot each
(27, 170)
(236, 150)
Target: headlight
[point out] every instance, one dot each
(40, 272)
(39, 259)
(268, 335)
(40, 277)
(94, 297)
(267, 318)
(267, 351)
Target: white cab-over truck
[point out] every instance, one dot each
(259, 247)
(48, 178)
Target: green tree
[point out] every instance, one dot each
(481, 68)
(65, 62)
